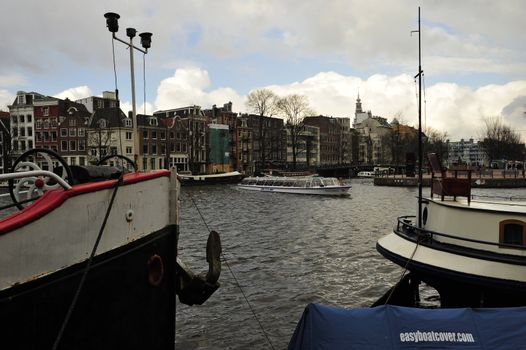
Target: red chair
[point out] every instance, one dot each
(443, 185)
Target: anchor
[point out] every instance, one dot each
(196, 289)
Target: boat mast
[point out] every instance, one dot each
(419, 75)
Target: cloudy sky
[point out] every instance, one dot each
(212, 52)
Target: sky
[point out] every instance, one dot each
(212, 52)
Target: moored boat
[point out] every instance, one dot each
(300, 185)
(472, 251)
(211, 179)
(365, 174)
(90, 259)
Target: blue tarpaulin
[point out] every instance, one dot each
(396, 327)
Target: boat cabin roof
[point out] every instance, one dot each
(490, 204)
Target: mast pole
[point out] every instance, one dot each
(419, 124)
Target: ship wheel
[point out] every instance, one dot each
(118, 156)
(30, 188)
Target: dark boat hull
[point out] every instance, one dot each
(460, 289)
(126, 302)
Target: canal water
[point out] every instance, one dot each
(284, 251)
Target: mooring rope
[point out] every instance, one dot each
(403, 272)
(234, 276)
(86, 269)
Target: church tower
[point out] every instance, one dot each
(358, 105)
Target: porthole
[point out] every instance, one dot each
(424, 216)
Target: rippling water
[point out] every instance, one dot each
(285, 251)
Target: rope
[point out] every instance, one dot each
(425, 101)
(86, 269)
(403, 272)
(235, 279)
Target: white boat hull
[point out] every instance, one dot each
(326, 191)
(458, 252)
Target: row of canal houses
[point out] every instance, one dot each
(192, 139)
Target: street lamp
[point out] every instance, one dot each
(112, 22)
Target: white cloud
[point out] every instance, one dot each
(75, 93)
(6, 98)
(458, 110)
(188, 86)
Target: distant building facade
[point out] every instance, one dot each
(467, 152)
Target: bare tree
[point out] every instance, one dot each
(435, 141)
(500, 142)
(262, 102)
(294, 108)
(99, 140)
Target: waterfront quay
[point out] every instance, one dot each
(480, 179)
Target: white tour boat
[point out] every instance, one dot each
(473, 252)
(300, 185)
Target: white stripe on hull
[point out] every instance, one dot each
(66, 235)
(453, 262)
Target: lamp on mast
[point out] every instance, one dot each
(112, 22)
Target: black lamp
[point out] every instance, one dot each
(130, 32)
(146, 40)
(112, 21)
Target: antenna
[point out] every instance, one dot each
(419, 75)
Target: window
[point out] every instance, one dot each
(73, 161)
(153, 121)
(154, 135)
(53, 136)
(63, 132)
(113, 150)
(72, 122)
(38, 124)
(81, 132)
(46, 123)
(64, 145)
(144, 164)
(512, 232)
(82, 161)
(22, 132)
(22, 145)
(72, 145)
(154, 148)
(145, 134)
(45, 111)
(38, 136)
(29, 131)
(145, 149)
(128, 150)
(163, 135)
(30, 144)
(72, 132)
(102, 123)
(128, 122)
(152, 163)
(82, 145)
(22, 119)
(29, 118)
(128, 135)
